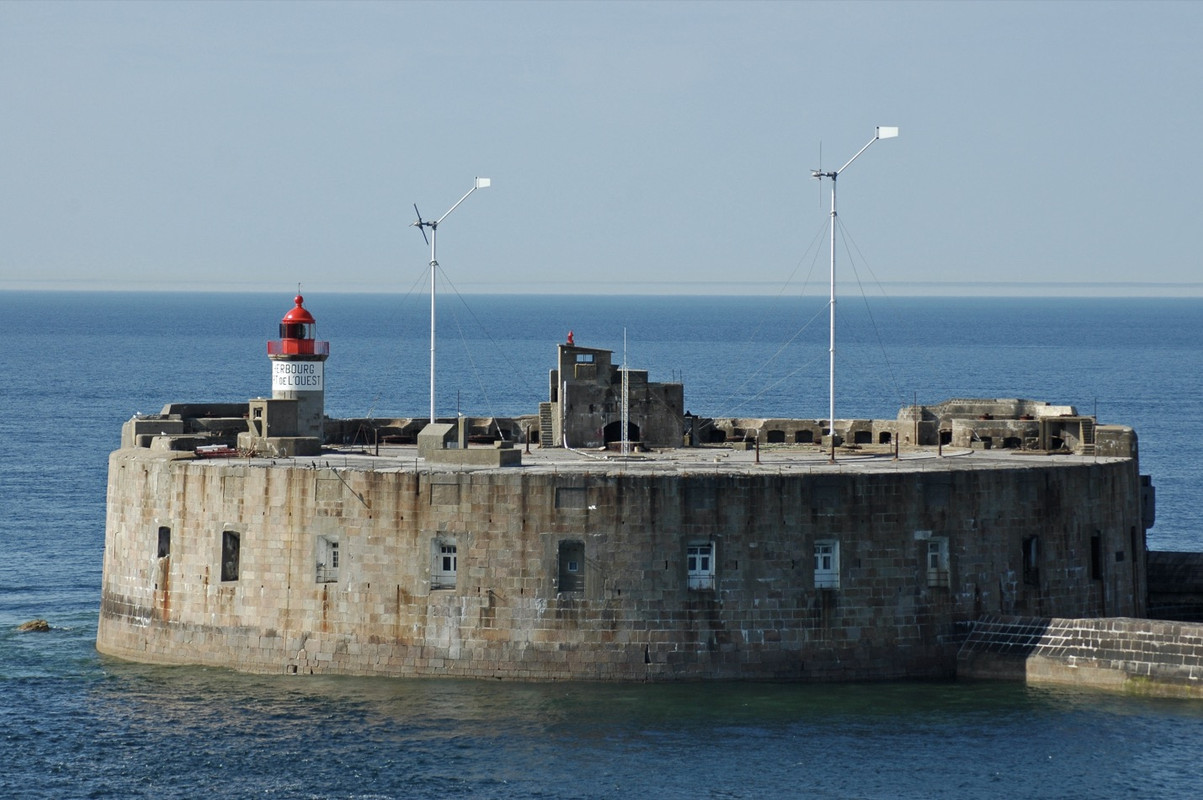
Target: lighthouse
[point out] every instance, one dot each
(291, 422)
(298, 362)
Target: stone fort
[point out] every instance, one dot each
(609, 536)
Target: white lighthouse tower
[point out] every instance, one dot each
(291, 422)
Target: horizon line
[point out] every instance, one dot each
(1065, 289)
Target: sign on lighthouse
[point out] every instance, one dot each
(297, 376)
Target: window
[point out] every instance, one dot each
(230, 554)
(327, 559)
(827, 564)
(572, 566)
(446, 561)
(937, 561)
(699, 565)
(1031, 561)
(584, 358)
(164, 541)
(1096, 557)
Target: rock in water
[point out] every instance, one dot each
(36, 625)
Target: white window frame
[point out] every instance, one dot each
(328, 559)
(827, 564)
(699, 564)
(444, 565)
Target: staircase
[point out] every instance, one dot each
(1088, 436)
(547, 426)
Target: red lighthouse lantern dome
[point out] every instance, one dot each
(298, 332)
(297, 323)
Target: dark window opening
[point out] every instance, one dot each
(572, 566)
(1013, 443)
(884, 438)
(1096, 558)
(1119, 556)
(945, 437)
(862, 437)
(164, 542)
(775, 437)
(230, 553)
(1031, 561)
(804, 437)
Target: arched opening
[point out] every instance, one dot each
(884, 438)
(613, 432)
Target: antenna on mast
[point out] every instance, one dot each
(881, 133)
(422, 225)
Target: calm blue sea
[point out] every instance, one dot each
(72, 724)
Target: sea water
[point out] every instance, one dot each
(74, 724)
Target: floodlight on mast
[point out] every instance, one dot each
(881, 133)
(422, 225)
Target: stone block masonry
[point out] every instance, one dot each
(1137, 655)
(596, 571)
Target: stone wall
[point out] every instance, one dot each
(1138, 655)
(1176, 586)
(579, 574)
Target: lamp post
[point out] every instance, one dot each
(881, 133)
(480, 183)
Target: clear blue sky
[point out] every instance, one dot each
(633, 147)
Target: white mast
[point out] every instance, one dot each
(882, 133)
(481, 183)
(626, 411)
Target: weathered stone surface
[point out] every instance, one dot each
(627, 529)
(34, 626)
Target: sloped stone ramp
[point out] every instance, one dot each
(1143, 656)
